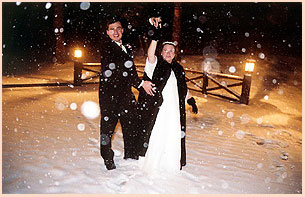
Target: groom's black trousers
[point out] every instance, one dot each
(111, 112)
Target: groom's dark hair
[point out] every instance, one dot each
(113, 19)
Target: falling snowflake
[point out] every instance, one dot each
(232, 69)
(199, 30)
(61, 103)
(243, 50)
(105, 139)
(73, 106)
(210, 64)
(261, 55)
(90, 109)
(260, 165)
(280, 91)
(239, 134)
(108, 73)
(81, 127)
(48, 5)
(245, 118)
(112, 66)
(151, 32)
(230, 115)
(18, 3)
(84, 5)
(247, 34)
(259, 120)
(125, 74)
(266, 97)
(128, 64)
(223, 83)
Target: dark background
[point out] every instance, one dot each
(29, 39)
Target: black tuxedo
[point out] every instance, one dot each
(149, 106)
(117, 102)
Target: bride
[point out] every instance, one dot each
(163, 119)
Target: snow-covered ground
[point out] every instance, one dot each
(50, 146)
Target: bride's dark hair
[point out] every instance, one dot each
(160, 47)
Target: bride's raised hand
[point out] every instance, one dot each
(156, 21)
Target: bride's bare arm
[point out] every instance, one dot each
(155, 21)
(151, 52)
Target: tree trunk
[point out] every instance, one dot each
(141, 51)
(176, 35)
(59, 35)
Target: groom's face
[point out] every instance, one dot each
(115, 31)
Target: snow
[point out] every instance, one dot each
(84, 5)
(90, 109)
(48, 5)
(50, 147)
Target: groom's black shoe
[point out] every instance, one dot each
(136, 157)
(110, 165)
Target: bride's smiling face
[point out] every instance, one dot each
(168, 53)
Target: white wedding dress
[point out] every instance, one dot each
(164, 149)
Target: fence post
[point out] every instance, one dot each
(245, 91)
(204, 83)
(78, 67)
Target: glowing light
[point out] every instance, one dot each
(77, 53)
(250, 65)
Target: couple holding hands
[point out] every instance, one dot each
(153, 127)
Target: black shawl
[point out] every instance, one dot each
(149, 106)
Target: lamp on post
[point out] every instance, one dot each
(78, 54)
(246, 84)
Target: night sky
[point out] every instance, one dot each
(270, 28)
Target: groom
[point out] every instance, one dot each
(117, 102)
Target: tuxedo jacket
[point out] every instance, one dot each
(118, 74)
